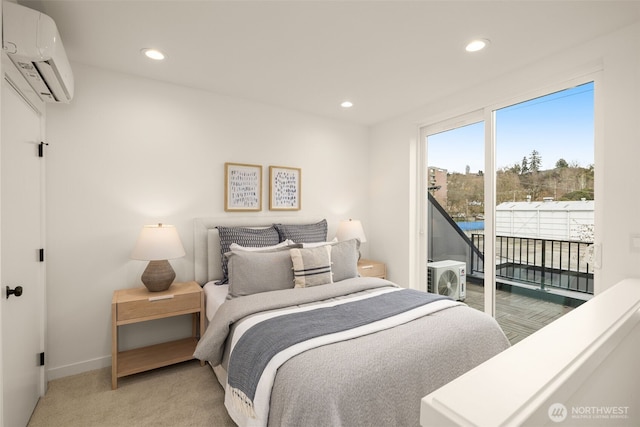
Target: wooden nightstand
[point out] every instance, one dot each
(369, 268)
(139, 305)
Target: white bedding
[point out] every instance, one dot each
(214, 296)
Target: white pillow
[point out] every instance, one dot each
(316, 244)
(237, 247)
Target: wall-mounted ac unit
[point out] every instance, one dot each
(447, 278)
(32, 42)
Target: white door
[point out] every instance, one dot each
(21, 239)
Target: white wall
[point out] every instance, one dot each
(131, 151)
(1, 339)
(617, 150)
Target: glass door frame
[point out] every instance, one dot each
(421, 251)
(487, 115)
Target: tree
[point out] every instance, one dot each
(586, 194)
(561, 163)
(535, 161)
(574, 164)
(466, 190)
(525, 166)
(508, 186)
(516, 169)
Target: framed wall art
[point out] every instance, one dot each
(284, 188)
(242, 187)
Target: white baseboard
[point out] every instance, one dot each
(78, 368)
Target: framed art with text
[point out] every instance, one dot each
(242, 187)
(284, 188)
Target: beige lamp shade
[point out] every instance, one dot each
(157, 244)
(351, 229)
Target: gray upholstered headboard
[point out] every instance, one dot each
(207, 243)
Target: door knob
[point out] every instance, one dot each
(17, 291)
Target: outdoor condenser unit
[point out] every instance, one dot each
(447, 278)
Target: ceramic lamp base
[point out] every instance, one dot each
(158, 276)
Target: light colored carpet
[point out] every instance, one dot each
(185, 394)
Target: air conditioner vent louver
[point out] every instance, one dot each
(32, 42)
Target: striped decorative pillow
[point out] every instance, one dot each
(311, 267)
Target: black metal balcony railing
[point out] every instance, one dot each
(539, 262)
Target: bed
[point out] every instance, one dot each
(335, 350)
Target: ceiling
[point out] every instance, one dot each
(387, 57)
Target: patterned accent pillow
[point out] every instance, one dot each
(303, 233)
(253, 237)
(311, 267)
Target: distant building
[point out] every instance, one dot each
(437, 184)
(570, 220)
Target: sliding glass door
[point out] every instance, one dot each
(509, 208)
(544, 213)
(455, 209)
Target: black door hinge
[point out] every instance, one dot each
(41, 149)
(41, 251)
(42, 359)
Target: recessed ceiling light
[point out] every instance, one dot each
(346, 104)
(153, 54)
(476, 45)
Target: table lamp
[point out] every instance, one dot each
(158, 244)
(351, 229)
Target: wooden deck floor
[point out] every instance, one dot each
(519, 316)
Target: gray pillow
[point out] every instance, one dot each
(303, 233)
(253, 237)
(344, 258)
(255, 272)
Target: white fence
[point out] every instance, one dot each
(571, 220)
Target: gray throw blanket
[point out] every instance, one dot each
(259, 344)
(211, 345)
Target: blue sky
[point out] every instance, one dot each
(558, 126)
